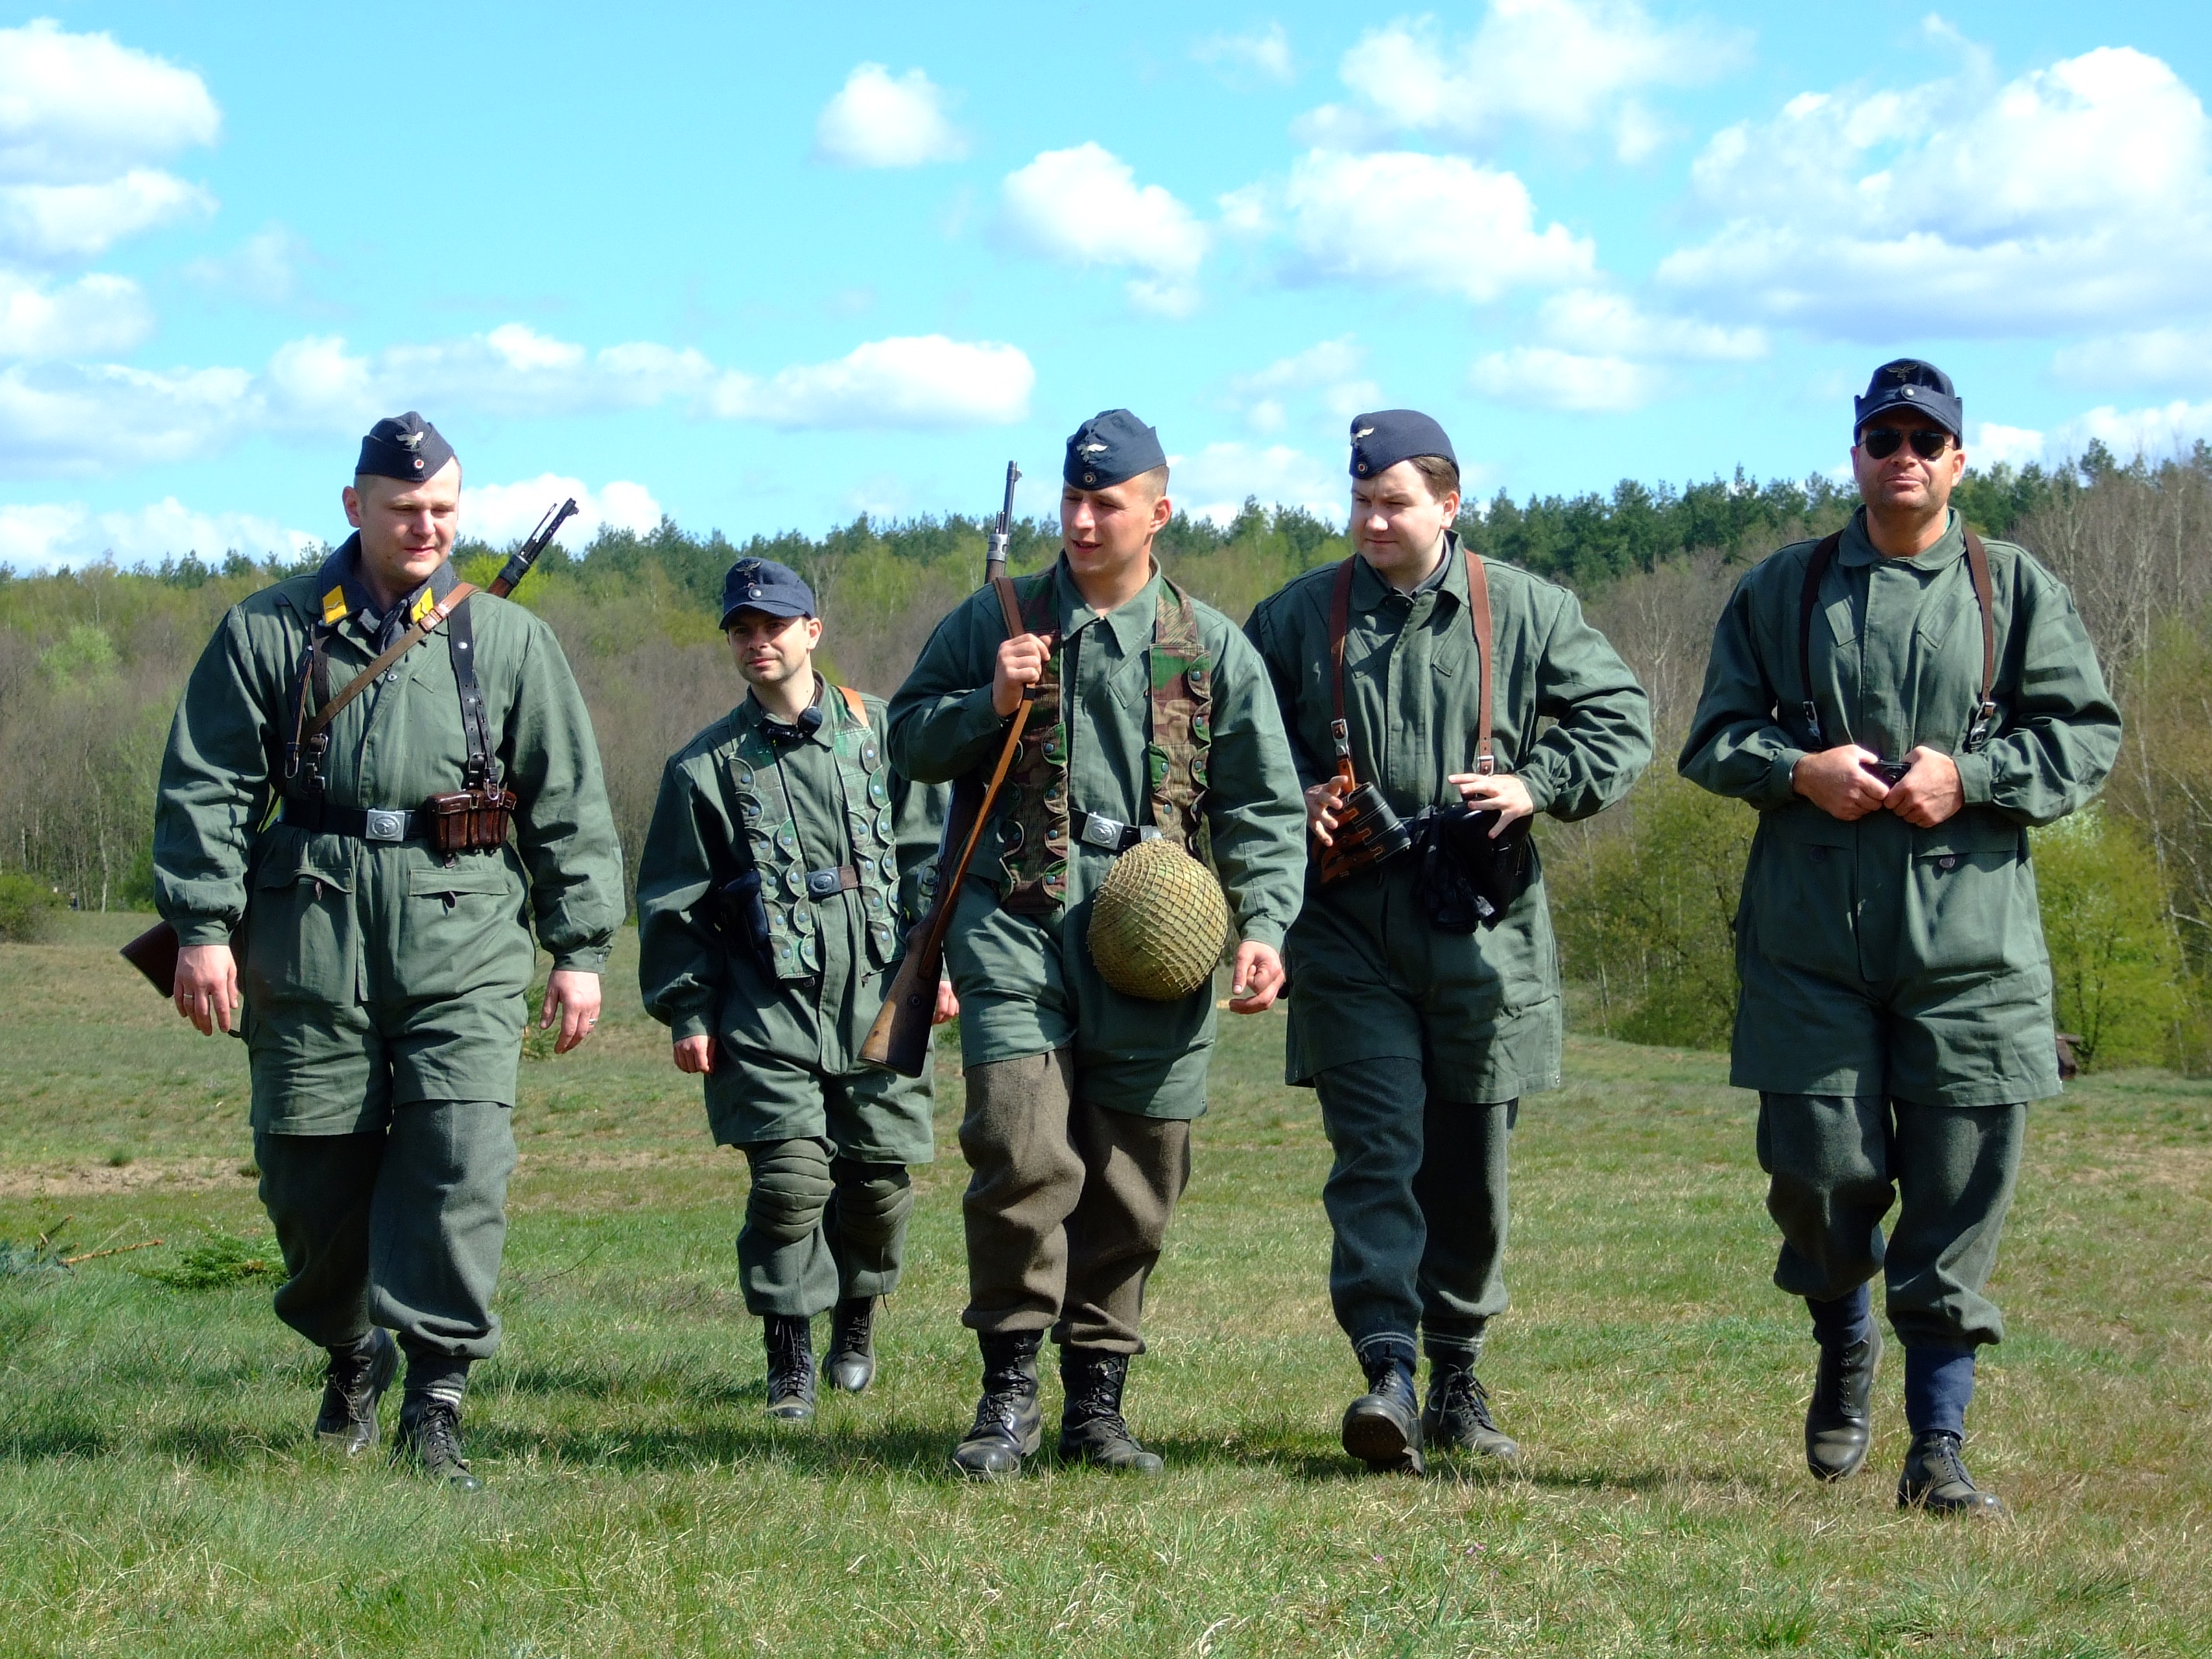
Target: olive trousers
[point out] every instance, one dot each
(819, 1228)
(1068, 1206)
(402, 1227)
(1837, 1163)
(1416, 1202)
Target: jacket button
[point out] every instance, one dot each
(1948, 861)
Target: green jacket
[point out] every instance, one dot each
(1027, 984)
(338, 921)
(1370, 978)
(1877, 909)
(700, 981)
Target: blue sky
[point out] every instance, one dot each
(768, 267)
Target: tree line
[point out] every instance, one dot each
(92, 662)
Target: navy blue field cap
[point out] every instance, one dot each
(1111, 447)
(403, 446)
(1908, 382)
(1382, 439)
(763, 585)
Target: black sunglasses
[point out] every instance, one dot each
(1882, 442)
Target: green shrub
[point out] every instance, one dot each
(27, 908)
(2115, 964)
(222, 1261)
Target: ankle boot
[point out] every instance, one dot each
(1382, 1427)
(1458, 1413)
(431, 1438)
(1935, 1480)
(1838, 1421)
(789, 1339)
(359, 1374)
(1008, 1426)
(1091, 1427)
(851, 1365)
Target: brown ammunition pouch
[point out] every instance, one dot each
(468, 820)
(1465, 879)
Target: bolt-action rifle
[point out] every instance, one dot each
(154, 952)
(899, 1040)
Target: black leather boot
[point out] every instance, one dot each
(1458, 1413)
(1092, 1428)
(430, 1438)
(789, 1339)
(1382, 1427)
(1840, 1422)
(1008, 1426)
(357, 1377)
(851, 1365)
(1935, 1480)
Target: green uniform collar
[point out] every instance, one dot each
(1369, 589)
(1131, 624)
(1949, 549)
(341, 594)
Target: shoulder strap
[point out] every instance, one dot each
(475, 724)
(1010, 606)
(399, 648)
(857, 709)
(1477, 601)
(1339, 623)
(1808, 601)
(1985, 710)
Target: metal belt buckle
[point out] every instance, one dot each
(380, 824)
(1102, 831)
(821, 883)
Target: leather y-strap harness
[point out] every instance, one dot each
(309, 736)
(1808, 602)
(1340, 624)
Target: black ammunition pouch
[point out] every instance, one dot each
(1367, 832)
(1466, 878)
(742, 915)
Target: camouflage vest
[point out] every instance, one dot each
(1036, 881)
(763, 811)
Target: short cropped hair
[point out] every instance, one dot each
(1440, 474)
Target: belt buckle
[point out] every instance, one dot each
(380, 824)
(821, 883)
(1100, 831)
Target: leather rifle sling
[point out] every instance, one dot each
(398, 648)
(1978, 569)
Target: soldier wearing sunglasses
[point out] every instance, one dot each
(1900, 702)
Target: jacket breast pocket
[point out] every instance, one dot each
(1801, 889)
(463, 930)
(302, 938)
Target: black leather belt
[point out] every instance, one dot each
(1109, 834)
(827, 883)
(363, 822)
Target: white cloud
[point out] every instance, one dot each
(1993, 445)
(501, 513)
(93, 315)
(918, 382)
(2076, 194)
(2154, 432)
(265, 270)
(1327, 374)
(71, 419)
(1214, 483)
(1262, 54)
(67, 534)
(1541, 377)
(1433, 221)
(880, 120)
(1592, 320)
(1568, 66)
(53, 222)
(1083, 207)
(79, 108)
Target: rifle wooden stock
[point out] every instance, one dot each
(899, 1040)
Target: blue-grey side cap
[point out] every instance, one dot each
(1110, 448)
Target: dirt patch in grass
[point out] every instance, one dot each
(174, 1174)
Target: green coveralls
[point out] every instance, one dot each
(385, 984)
(1067, 1210)
(1894, 1009)
(1421, 1042)
(828, 1139)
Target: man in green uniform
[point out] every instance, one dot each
(1153, 718)
(1423, 674)
(383, 981)
(1900, 702)
(779, 875)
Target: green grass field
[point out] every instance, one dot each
(159, 1495)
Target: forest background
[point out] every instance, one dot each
(92, 662)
